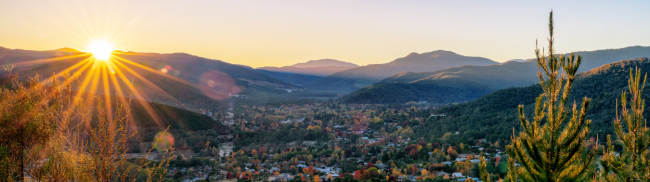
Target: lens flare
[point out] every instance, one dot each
(218, 85)
(163, 141)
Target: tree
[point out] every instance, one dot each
(451, 152)
(413, 154)
(446, 137)
(28, 116)
(36, 138)
(178, 175)
(552, 151)
(358, 175)
(632, 164)
(385, 157)
(485, 176)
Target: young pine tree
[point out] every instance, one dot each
(632, 164)
(551, 147)
(485, 176)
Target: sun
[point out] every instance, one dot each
(101, 49)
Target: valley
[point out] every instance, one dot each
(324, 91)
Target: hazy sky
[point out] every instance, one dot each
(279, 33)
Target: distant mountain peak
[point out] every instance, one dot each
(321, 67)
(323, 63)
(413, 54)
(67, 49)
(440, 53)
(434, 54)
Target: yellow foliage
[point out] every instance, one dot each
(425, 172)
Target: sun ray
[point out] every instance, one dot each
(146, 81)
(107, 93)
(40, 61)
(140, 98)
(157, 72)
(84, 83)
(93, 87)
(84, 63)
(120, 95)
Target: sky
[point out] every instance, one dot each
(284, 32)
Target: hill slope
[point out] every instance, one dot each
(304, 73)
(437, 91)
(291, 78)
(490, 77)
(178, 79)
(356, 78)
(493, 116)
(175, 118)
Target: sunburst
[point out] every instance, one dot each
(104, 70)
(101, 49)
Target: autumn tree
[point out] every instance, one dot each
(35, 128)
(550, 148)
(28, 118)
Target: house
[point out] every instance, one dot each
(413, 178)
(476, 160)
(381, 165)
(325, 169)
(457, 175)
(281, 177)
(333, 175)
(440, 173)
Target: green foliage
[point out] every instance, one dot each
(485, 175)
(451, 90)
(553, 150)
(630, 127)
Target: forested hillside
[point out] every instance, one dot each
(493, 116)
(490, 77)
(291, 78)
(438, 91)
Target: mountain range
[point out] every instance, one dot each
(304, 73)
(480, 80)
(355, 78)
(495, 116)
(177, 79)
(321, 67)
